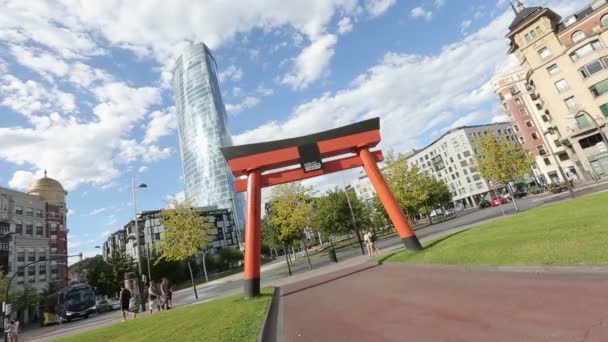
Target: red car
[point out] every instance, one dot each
(496, 201)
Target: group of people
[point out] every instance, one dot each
(370, 243)
(12, 331)
(158, 296)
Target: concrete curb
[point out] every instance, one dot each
(534, 269)
(269, 330)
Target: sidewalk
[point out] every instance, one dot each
(368, 302)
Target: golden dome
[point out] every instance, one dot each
(48, 189)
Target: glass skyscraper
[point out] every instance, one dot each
(203, 129)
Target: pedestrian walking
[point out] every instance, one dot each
(125, 301)
(374, 245)
(134, 301)
(12, 331)
(165, 293)
(368, 242)
(153, 297)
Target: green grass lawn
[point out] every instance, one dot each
(572, 232)
(229, 319)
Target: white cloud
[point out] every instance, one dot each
(97, 211)
(345, 25)
(106, 233)
(160, 124)
(378, 7)
(143, 169)
(311, 63)
(464, 26)
(180, 197)
(71, 212)
(456, 80)
(419, 12)
(263, 90)
(248, 102)
(439, 3)
(29, 97)
(233, 73)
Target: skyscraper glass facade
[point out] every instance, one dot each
(203, 129)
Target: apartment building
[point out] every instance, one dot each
(33, 235)
(532, 132)
(566, 61)
(451, 158)
(150, 229)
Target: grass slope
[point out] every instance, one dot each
(228, 319)
(572, 232)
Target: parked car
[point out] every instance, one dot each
(103, 306)
(520, 193)
(484, 204)
(114, 303)
(499, 200)
(437, 212)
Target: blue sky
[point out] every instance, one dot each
(85, 86)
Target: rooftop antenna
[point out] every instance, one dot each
(513, 7)
(44, 173)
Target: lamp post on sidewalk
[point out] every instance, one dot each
(137, 237)
(352, 214)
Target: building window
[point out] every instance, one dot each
(31, 270)
(544, 53)
(522, 140)
(29, 212)
(19, 228)
(599, 88)
(18, 210)
(534, 136)
(29, 229)
(31, 256)
(562, 85)
(528, 37)
(20, 272)
(501, 97)
(604, 109)
(578, 36)
(563, 156)
(42, 269)
(570, 103)
(541, 150)
(516, 128)
(553, 70)
(557, 143)
(518, 101)
(529, 124)
(539, 30)
(604, 20)
(547, 161)
(513, 90)
(41, 256)
(39, 230)
(582, 121)
(593, 67)
(466, 154)
(20, 256)
(523, 112)
(585, 50)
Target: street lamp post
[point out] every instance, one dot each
(205, 267)
(352, 214)
(559, 167)
(143, 185)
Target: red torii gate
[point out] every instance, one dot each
(309, 151)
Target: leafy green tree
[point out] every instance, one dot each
(25, 298)
(271, 234)
(113, 273)
(291, 209)
(333, 217)
(379, 215)
(502, 160)
(186, 234)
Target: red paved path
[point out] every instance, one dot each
(403, 303)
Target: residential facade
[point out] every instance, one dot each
(363, 188)
(451, 158)
(532, 132)
(35, 222)
(566, 62)
(203, 130)
(151, 230)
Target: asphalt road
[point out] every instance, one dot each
(210, 292)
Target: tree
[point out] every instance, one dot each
(113, 273)
(185, 234)
(291, 208)
(332, 214)
(502, 160)
(25, 298)
(379, 216)
(417, 192)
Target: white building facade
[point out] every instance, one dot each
(451, 158)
